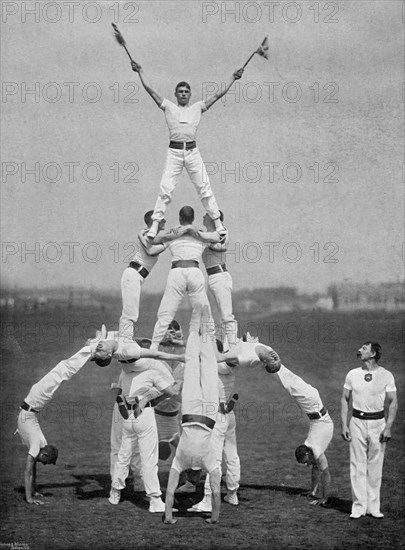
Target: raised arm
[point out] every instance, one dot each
(157, 98)
(236, 76)
(344, 410)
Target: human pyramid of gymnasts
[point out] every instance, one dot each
(176, 401)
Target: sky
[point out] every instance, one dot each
(305, 154)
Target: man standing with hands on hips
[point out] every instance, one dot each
(182, 121)
(370, 387)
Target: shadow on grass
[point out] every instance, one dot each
(84, 490)
(333, 502)
(268, 487)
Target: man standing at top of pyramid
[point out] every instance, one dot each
(183, 120)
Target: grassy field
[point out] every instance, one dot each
(320, 347)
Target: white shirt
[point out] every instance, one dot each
(194, 451)
(369, 396)
(186, 248)
(127, 350)
(42, 392)
(247, 355)
(172, 404)
(146, 382)
(212, 257)
(183, 121)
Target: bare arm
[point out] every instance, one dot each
(315, 479)
(215, 484)
(157, 98)
(230, 357)
(344, 404)
(171, 487)
(236, 76)
(151, 249)
(29, 481)
(219, 247)
(326, 484)
(209, 237)
(172, 234)
(392, 412)
(154, 354)
(321, 473)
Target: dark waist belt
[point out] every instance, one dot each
(317, 416)
(27, 407)
(198, 418)
(166, 413)
(185, 263)
(136, 405)
(187, 145)
(143, 272)
(368, 415)
(216, 269)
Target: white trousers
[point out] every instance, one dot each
(176, 160)
(200, 397)
(232, 462)
(142, 430)
(223, 439)
(181, 281)
(220, 284)
(366, 464)
(200, 394)
(115, 440)
(131, 283)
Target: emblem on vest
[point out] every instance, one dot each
(368, 377)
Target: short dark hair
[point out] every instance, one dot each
(51, 452)
(193, 476)
(181, 84)
(174, 325)
(145, 343)
(375, 348)
(148, 217)
(301, 451)
(102, 362)
(186, 214)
